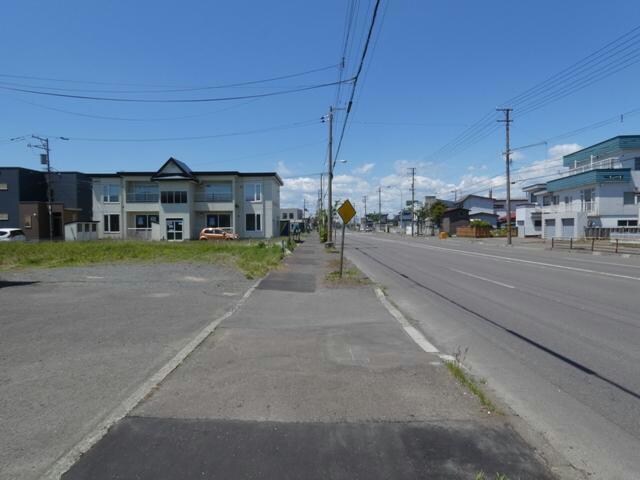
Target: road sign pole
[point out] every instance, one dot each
(346, 212)
(342, 249)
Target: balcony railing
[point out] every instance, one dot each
(213, 197)
(143, 197)
(139, 233)
(606, 163)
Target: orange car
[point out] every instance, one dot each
(217, 234)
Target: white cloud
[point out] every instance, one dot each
(282, 169)
(362, 169)
(557, 151)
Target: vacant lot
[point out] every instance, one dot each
(253, 258)
(76, 341)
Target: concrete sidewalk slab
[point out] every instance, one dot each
(299, 384)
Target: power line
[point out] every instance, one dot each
(357, 76)
(197, 137)
(176, 100)
(579, 75)
(170, 90)
(135, 119)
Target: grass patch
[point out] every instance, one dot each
(456, 369)
(351, 276)
(499, 476)
(254, 259)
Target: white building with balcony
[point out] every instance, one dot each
(600, 192)
(175, 203)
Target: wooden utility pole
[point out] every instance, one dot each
(379, 207)
(45, 160)
(507, 121)
(329, 188)
(366, 220)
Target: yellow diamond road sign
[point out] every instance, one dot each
(346, 211)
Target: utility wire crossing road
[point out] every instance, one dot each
(556, 334)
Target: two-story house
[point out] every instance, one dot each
(600, 191)
(24, 202)
(175, 203)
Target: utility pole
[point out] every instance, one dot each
(45, 160)
(366, 220)
(329, 189)
(413, 197)
(379, 206)
(507, 121)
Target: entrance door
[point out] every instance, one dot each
(549, 228)
(174, 229)
(567, 227)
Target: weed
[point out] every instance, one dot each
(457, 370)
(253, 260)
(499, 476)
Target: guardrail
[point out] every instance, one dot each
(596, 245)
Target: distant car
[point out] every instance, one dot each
(217, 234)
(12, 235)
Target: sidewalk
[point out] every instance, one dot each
(309, 380)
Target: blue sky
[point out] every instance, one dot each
(435, 68)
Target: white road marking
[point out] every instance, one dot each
(511, 259)
(481, 278)
(415, 335)
(67, 460)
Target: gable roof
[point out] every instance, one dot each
(184, 172)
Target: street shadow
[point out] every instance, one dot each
(9, 283)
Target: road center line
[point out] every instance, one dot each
(481, 278)
(510, 259)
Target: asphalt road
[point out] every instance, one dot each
(556, 334)
(76, 342)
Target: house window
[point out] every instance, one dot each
(627, 223)
(173, 197)
(27, 221)
(629, 198)
(4, 217)
(93, 227)
(636, 163)
(253, 222)
(537, 223)
(219, 192)
(568, 200)
(111, 193)
(291, 216)
(284, 216)
(79, 228)
(253, 192)
(112, 223)
(145, 221)
(219, 220)
(4, 187)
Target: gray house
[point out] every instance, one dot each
(175, 203)
(24, 202)
(598, 194)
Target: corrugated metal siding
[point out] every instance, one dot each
(592, 177)
(603, 149)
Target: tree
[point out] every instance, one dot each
(436, 211)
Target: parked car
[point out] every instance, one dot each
(217, 234)
(12, 235)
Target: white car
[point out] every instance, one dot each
(12, 235)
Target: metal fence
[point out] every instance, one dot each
(612, 232)
(612, 245)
